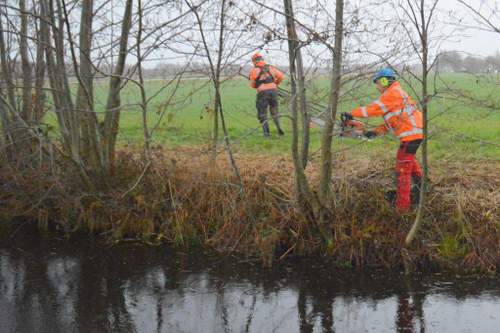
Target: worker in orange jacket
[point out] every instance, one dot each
(403, 119)
(266, 79)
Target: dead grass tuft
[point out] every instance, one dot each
(180, 201)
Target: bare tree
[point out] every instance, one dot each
(144, 101)
(317, 209)
(326, 140)
(26, 63)
(294, 49)
(215, 76)
(40, 67)
(421, 15)
(84, 119)
(302, 188)
(18, 106)
(8, 101)
(113, 111)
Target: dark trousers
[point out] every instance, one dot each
(268, 99)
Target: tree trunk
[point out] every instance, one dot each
(294, 47)
(27, 108)
(4, 107)
(301, 80)
(304, 197)
(54, 82)
(39, 102)
(326, 140)
(218, 102)
(61, 95)
(215, 132)
(6, 72)
(112, 118)
(425, 98)
(144, 102)
(218, 99)
(85, 115)
(10, 125)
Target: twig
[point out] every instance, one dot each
(138, 180)
(288, 251)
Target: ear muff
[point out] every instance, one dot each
(384, 81)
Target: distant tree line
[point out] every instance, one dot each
(457, 62)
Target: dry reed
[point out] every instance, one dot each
(182, 202)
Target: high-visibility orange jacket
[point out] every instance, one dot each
(265, 81)
(401, 116)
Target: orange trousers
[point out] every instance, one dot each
(407, 167)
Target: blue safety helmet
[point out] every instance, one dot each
(385, 72)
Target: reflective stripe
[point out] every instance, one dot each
(363, 112)
(412, 132)
(409, 109)
(381, 105)
(389, 115)
(413, 121)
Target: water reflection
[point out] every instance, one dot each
(89, 288)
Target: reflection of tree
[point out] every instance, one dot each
(101, 302)
(221, 306)
(159, 312)
(418, 306)
(108, 288)
(63, 273)
(404, 316)
(36, 310)
(321, 301)
(148, 275)
(305, 326)
(11, 276)
(410, 308)
(250, 314)
(327, 315)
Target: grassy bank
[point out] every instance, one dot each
(180, 202)
(458, 130)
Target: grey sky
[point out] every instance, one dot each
(470, 41)
(473, 41)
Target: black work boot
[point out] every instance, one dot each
(265, 128)
(278, 127)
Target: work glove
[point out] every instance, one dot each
(346, 116)
(370, 134)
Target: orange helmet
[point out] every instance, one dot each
(257, 57)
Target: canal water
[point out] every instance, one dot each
(51, 285)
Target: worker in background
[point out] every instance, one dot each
(266, 79)
(404, 121)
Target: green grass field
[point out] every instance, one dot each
(457, 130)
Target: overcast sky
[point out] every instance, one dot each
(474, 41)
(470, 41)
(477, 43)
